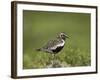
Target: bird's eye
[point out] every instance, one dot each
(61, 35)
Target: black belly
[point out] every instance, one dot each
(57, 49)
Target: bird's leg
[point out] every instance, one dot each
(53, 60)
(54, 57)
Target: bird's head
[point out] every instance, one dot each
(62, 35)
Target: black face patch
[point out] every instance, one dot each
(57, 49)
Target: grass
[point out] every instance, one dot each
(70, 57)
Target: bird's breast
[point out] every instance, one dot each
(58, 47)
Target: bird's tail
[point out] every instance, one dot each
(38, 49)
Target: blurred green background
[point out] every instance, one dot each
(42, 26)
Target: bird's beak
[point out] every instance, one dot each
(67, 36)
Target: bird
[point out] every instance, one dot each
(56, 45)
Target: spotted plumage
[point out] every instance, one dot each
(54, 46)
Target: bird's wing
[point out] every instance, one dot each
(52, 44)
